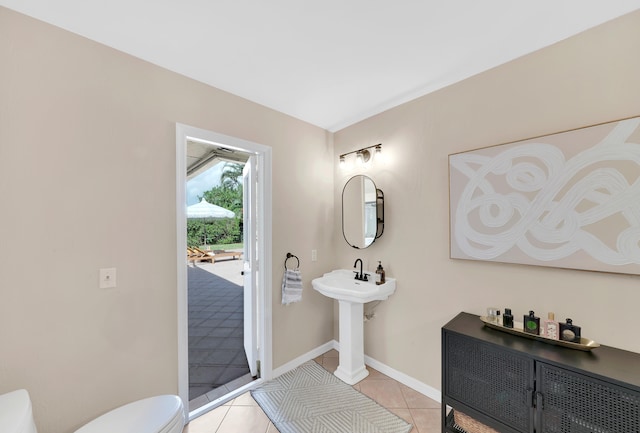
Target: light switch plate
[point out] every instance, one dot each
(107, 278)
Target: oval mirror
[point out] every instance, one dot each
(360, 216)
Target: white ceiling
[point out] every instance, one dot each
(330, 62)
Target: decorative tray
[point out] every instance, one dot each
(585, 344)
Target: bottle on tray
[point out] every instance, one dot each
(569, 331)
(507, 318)
(550, 328)
(531, 324)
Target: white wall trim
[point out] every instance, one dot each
(312, 354)
(415, 384)
(181, 266)
(404, 379)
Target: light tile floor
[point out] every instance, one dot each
(243, 415)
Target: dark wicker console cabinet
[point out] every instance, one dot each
(514, 384)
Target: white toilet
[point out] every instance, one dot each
(161, 414)
(15, 413)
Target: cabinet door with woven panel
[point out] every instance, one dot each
(575, 403)
(494, 381)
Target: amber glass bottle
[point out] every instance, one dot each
(379, 274)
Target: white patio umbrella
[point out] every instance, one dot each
(208, 211)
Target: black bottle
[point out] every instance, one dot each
(531, 324)
(380, 274)
(507, 318)
(569, 332)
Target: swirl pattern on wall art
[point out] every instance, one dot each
(551, 200)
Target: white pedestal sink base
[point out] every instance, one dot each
(351, 295)
(353, 377)
(351, 367)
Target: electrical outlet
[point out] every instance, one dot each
(314, 255)
(107, 278)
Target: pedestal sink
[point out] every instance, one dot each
(351, 295)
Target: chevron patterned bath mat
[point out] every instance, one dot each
(309, 399)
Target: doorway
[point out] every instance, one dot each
(216, 288)
(256, 260)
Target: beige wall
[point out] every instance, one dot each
(588, 79)
(87, 180)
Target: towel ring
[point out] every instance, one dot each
(289, 255)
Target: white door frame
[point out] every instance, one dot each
(250, 264)
(264, 227)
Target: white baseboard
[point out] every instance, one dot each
(302, 359)
(404, 379)
(415, 384)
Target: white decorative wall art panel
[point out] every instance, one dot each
(569, 200)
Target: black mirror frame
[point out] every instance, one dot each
(379, 214)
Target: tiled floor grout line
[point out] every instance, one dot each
(223, 417)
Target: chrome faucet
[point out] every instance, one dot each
(360, 276)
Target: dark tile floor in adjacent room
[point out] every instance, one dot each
(216, 345)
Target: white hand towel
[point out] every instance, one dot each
(291, 286)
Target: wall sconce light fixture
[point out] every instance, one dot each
(364, 155)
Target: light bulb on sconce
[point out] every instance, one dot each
(366, 157)
(363, 156)
(380, 158)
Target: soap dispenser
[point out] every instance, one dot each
(379, 274)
